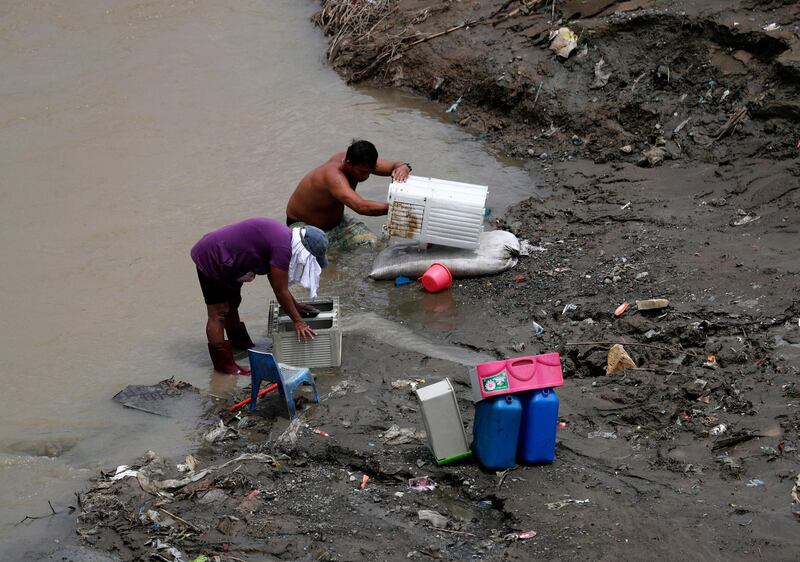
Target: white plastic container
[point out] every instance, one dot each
(325, 350)
(442, 418)
(437, 211)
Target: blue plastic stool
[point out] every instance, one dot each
(264, 368)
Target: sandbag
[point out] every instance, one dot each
(498, 251)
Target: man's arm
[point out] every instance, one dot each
(398, 170)
(342, 191)
(279, 280)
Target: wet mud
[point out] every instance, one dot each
(692, 453)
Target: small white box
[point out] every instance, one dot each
(436, 211)
(442, 418)
(325, 350)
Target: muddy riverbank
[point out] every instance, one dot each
(640, 204)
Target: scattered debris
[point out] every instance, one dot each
(569, 308)
(124, 471)
(718, 429)
(521, 536)
(618, 360)
(744, 218)
(652, 304)
(422, 484)
(453, 107)
(560, 504)
(754, 483)
(563, 42)
(601, 76)
(411, 384)
(602, 435)
(526, 248)
(188, 465)
(217, 434)
(620, 310)
(796, 498)
(396, 435)
(536, 328)
(433, 517)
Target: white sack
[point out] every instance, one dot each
(498, 251)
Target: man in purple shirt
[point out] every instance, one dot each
(234, 254)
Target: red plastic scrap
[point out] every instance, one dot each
(519, 278)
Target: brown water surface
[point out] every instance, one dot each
(127, 130)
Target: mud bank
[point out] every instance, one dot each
(642, 204)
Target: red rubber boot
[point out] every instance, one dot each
(222, 357)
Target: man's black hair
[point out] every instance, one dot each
(362, 152)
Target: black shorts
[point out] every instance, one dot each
(214, 293)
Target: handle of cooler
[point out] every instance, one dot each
(522, 369)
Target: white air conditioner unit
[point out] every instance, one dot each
(437, 211)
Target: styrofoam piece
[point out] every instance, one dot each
(446, 437)
(515, 375)
(436, 211)
(325, 350)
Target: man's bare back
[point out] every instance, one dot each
(321, 195)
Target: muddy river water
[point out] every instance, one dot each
(127, 130)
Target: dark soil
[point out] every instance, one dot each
(641, 204)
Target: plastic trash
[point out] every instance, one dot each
(521, 536)
(621, 309)
(569, 308)
(421, 484)
(564, 503)
(485, 504)
(402, 280)
(453, 107)
(754, 483)
(433, 517)
(718, 429)
(536, 328)
(602, 435)
(563, 42)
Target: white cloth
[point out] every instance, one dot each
(303, 267)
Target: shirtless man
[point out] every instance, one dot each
(321, 196)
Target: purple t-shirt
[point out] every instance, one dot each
(254, 245)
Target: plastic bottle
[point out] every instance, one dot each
(537, 436)
(496, 431)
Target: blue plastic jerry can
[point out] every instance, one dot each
(496, 431)
(537, 435)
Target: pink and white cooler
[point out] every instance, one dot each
(516, 375)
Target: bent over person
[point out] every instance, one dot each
(321, 196)
(235, 254)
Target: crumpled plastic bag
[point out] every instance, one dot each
(563, 42)
(396, 435)
(618, 360)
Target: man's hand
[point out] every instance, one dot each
(307, 310)
(400, 173)
(304, 331)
